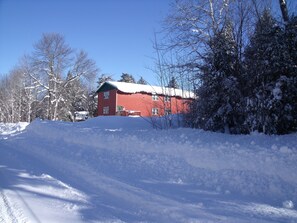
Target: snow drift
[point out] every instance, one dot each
(120, 169)
(11, 128)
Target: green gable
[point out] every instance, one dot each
(105, 87)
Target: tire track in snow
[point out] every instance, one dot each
(12, 204)
(7, 213)
(10, 211)
(29, 210)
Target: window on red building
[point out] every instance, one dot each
(106, 110)
(106, 95)
(167, 111)
(167, 98)
(155, 97)
(155, 111)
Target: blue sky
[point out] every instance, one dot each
(117, 34)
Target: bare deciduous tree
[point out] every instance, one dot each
(103, 78)
(52, 59)
(49, 83)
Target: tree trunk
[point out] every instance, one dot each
(284, 9)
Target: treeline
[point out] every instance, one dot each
(125, 77)
(51, 83)
(129, 78)
(241, 61)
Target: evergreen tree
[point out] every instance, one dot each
(172, 83)
(141, 81)
(219, 102)
(127, 78)
(288, 119)
(267, 57)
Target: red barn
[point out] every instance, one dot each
(128, 99)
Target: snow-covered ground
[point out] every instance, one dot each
(11, 128)
(120, 169)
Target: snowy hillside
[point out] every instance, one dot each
(120, 169)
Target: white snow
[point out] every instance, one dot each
(277, 92)
(120, 169)
(136, 88)
(288, 204)
(11, 128)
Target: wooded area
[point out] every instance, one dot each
(50, 83)
(239, 57)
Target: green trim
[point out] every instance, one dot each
(105, 87)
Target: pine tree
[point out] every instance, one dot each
(127, 78)
(141, 81)
(266, 64)
(218, 105)
(288, 118)
(172, 83)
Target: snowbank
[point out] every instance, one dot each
(10, 128)
(250, 165)
(128, 171)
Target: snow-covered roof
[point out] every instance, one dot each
(137, 88)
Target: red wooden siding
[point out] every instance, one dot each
(144, 103)
(111, 102)
(136, 102)
(121, 103)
